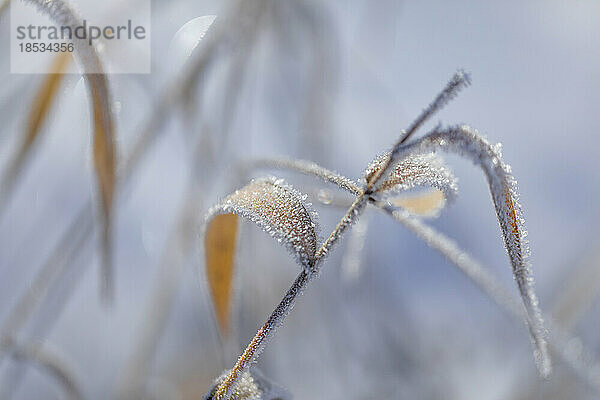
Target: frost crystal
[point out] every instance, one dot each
(279, 210)
(414, 171)
(251, 386)
(246, 389)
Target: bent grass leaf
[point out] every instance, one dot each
(277, 209)
(418, 171)
(468, 143)
(38, 113)
(103, 127)
(105, 166)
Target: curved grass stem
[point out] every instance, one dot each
(253, 350)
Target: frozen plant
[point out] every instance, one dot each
(283, 212)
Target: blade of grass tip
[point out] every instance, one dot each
(253, 350)
(37, 115)
(468, 143)
(459, 81)
(490, 286)
(51, 364)
(103, 127)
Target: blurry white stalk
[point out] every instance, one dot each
(581, 288)
(181, 241)
(49, 363)
(351, 270)
(559, 341)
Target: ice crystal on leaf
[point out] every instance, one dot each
(420, 170)
(279, 210)
(251, 386)
(246, 388)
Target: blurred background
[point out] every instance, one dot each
(331, 82)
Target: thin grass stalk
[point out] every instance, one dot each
(253, 350)
(490, 286)
(224, 390)
(459, 81)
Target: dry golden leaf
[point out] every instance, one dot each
(274, 206)
(105, 167)
(219, 244)
(422, 204)
(44, 99)
(104, 144)
(39, 111)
